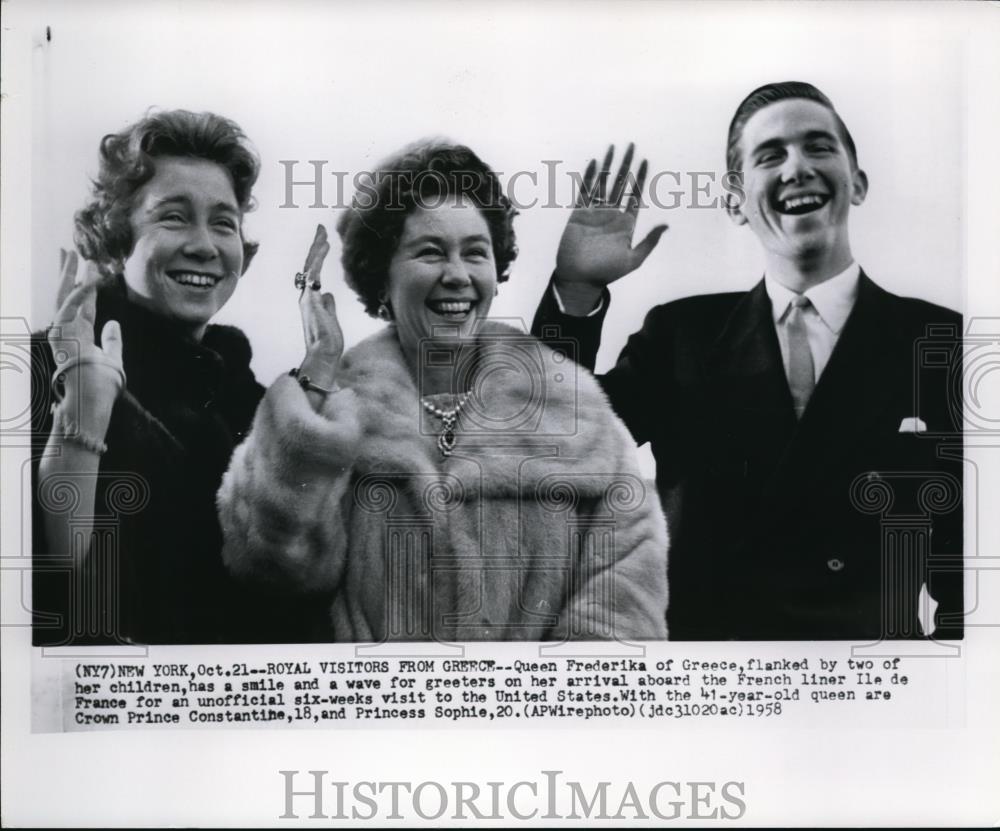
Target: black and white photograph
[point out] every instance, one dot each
(587, 411)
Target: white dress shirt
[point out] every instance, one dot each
(831, 305)
(562, 308)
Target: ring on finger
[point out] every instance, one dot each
(300, 280)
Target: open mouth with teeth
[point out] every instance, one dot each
(804, 204)
(451, 309)
(194, 279)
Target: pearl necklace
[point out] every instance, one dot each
(449, 418)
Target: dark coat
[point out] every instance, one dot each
(154, 573)
(781, 529)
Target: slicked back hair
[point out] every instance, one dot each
(771, 94)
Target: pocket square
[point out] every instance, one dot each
(926, 608)
(912, 425)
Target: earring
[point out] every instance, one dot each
(384, 312)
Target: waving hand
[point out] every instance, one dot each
(596, 247)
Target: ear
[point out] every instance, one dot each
(734, 207)
(249, 252)
(859, 187)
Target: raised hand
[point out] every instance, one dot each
(67, 280)
(90, 378)
(324, 339)
(90, 375)
(596, 246)
(320, 327)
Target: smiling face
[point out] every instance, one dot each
(187, 254)
(443, 275)
(800, 181)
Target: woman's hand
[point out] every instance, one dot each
(596, 246)
(319, 311)
(92, 373)
(92, 379)
(324, 340)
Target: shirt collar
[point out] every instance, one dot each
(832, 299)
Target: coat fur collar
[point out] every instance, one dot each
(527, 401)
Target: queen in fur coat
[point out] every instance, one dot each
(542, 530)
(466, 485)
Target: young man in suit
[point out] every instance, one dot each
(795, 431)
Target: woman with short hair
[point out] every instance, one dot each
(449, 478)
(142, 400)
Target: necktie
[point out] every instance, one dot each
(801, 372)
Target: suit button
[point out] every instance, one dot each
(835, 564)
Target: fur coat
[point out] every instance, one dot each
(537, 527)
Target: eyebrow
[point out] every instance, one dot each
(438, 239)
(820, 134)
(812, 135)
(169, 200)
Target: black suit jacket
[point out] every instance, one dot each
(822, 528)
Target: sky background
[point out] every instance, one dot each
(549, 82)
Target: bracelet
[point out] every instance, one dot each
(71, 432)
(306, 383)
(59, 376)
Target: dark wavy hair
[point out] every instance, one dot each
(771, 94)
(421, 175)
(128, 161)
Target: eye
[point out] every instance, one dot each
(430, 251)
(479, 252)
(821, 147)
(769, 157)
(227, 223)
(173, 218)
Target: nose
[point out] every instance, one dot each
(199, 243)
(795, 167)
(455, 273)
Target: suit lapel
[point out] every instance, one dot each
(747, 379)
